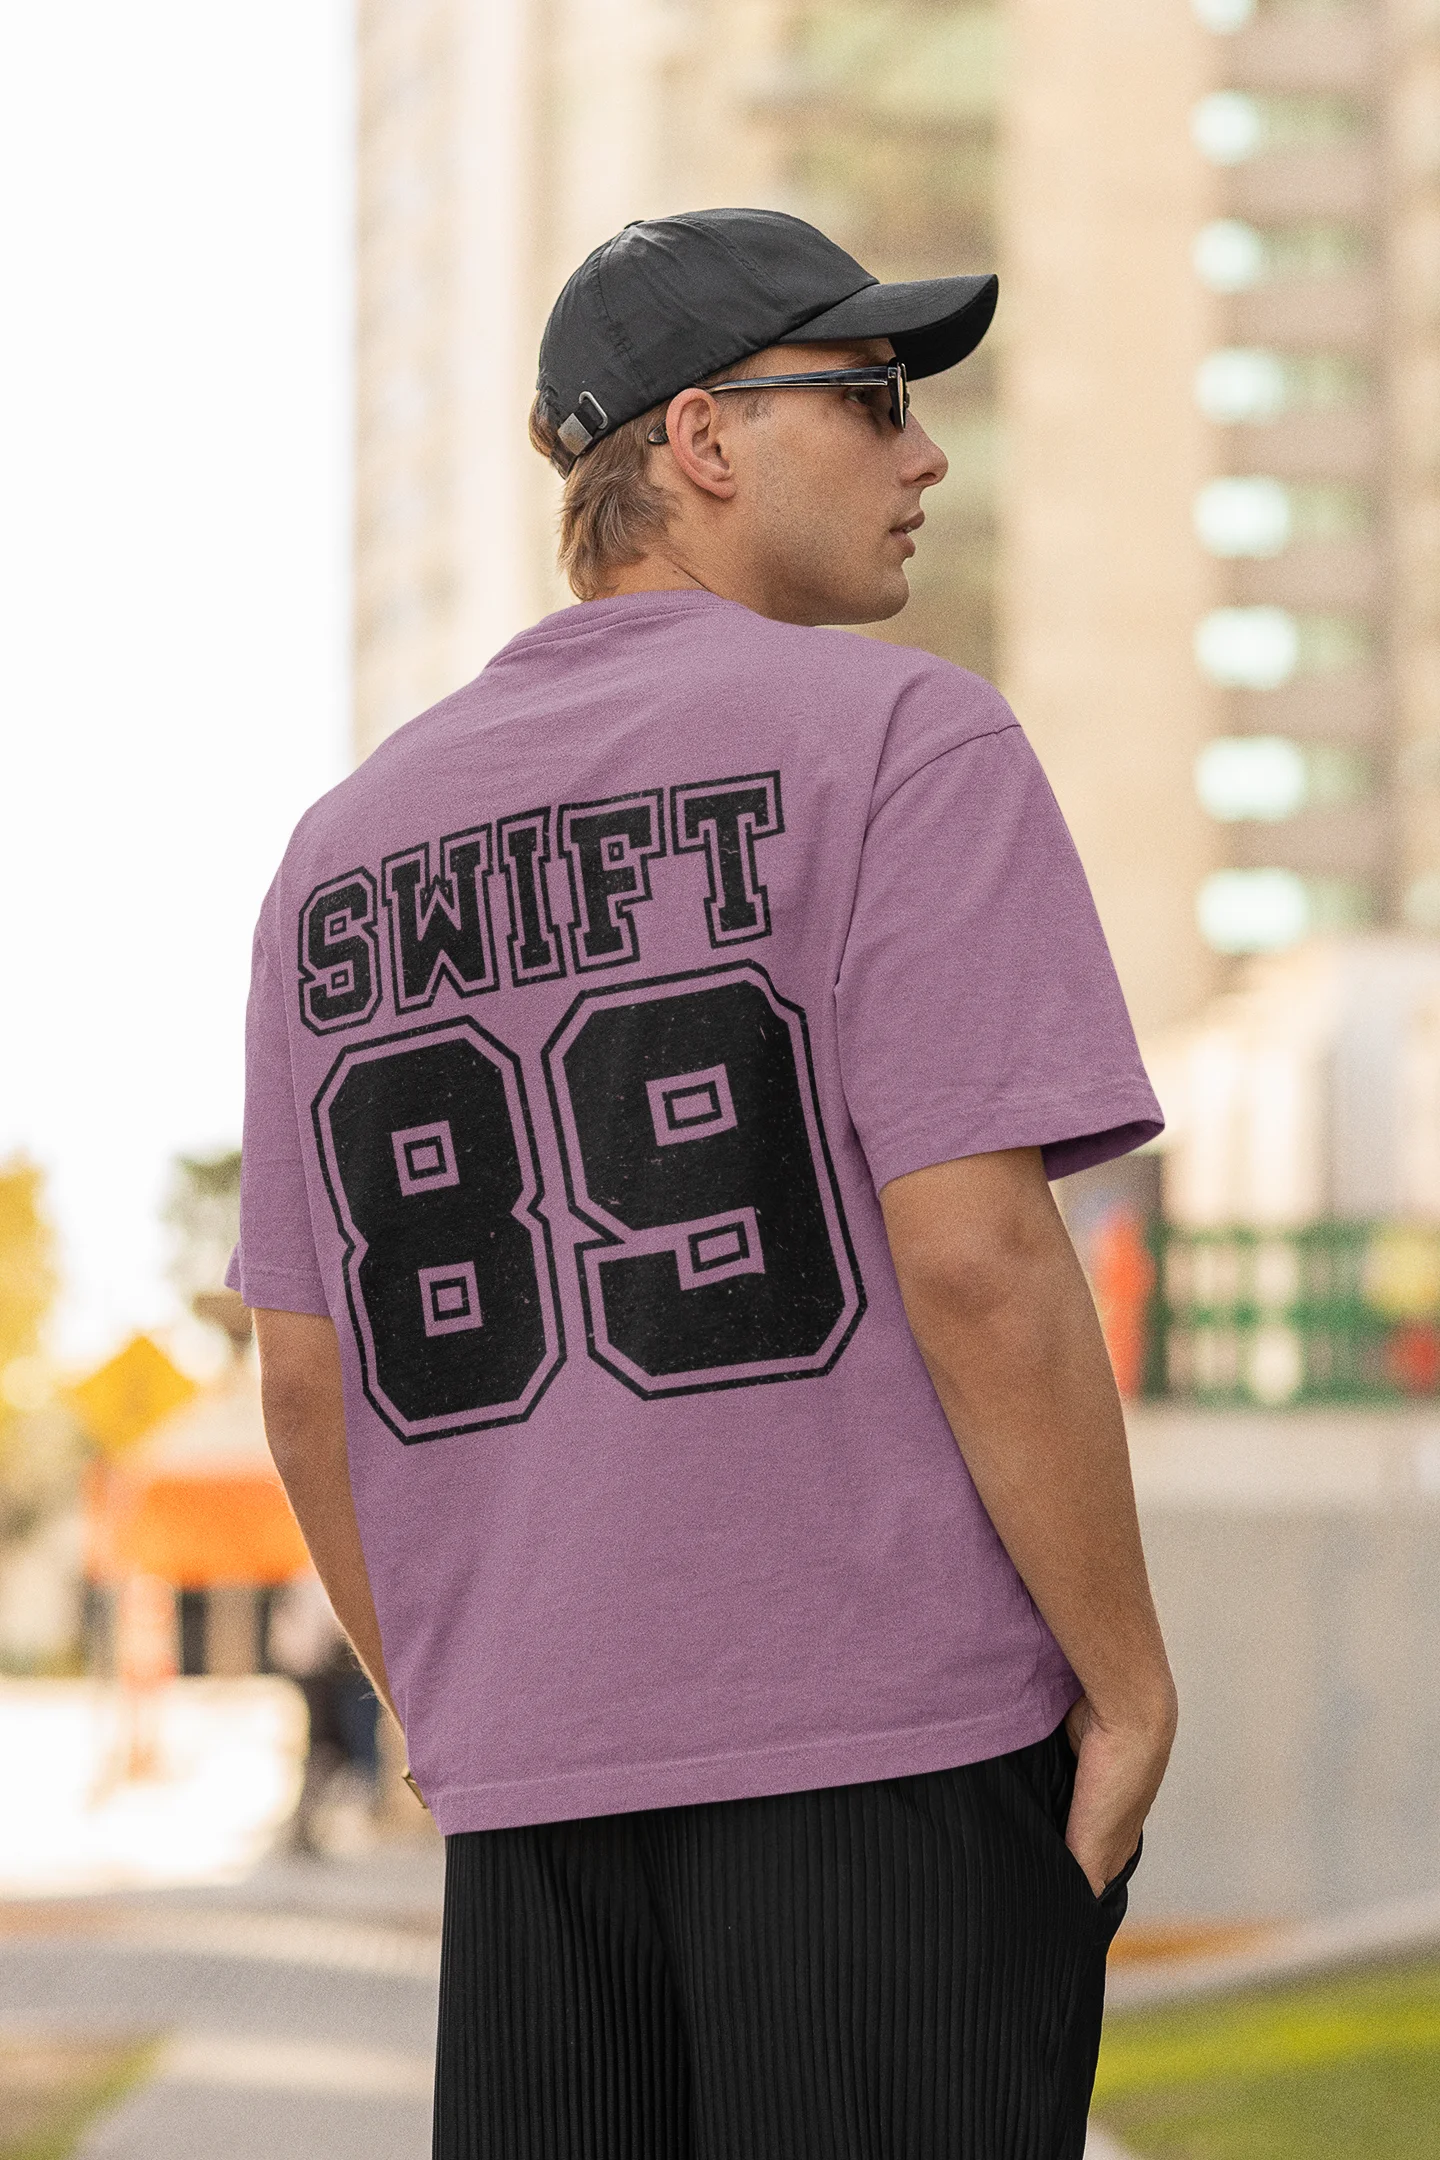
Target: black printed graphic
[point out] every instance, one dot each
(440, 927)
(339, 955)
(429, 1160)
(726, 818)
(523, 844)
(693, 1144)
(608, 848)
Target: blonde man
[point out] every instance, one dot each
(658, 1055)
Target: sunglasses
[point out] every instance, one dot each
(886, 375)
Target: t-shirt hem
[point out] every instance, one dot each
(754, 1773)
(277, 1290)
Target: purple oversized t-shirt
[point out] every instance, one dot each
(588, 1018)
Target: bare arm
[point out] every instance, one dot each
(1004, 1320)
(305, 1425)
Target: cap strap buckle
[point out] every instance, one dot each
(573, 431)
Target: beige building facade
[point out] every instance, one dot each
(499, 143)
(1102, 584)
(1222, 517)
(1192, 524)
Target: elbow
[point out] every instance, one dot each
(294, 1416)
(301, 1397)
(979, 1279)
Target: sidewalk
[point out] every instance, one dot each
(1375, 1934)
(297, 2008)
(295, 2011)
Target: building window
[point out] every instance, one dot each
(1252, 516)
(1270, 777)
(1258, 911)
(1258, 516)
(1224, 17)
(1231, 256)
(1262, 648)
(1229, 127)
(1244, 385)
(1421, 905)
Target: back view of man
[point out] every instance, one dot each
(657, 1055)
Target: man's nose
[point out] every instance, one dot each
(924, 462)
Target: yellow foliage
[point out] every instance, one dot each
(1402, 1271)
(28, 1280)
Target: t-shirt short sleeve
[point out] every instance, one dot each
(977, 1003)
(274, 1265)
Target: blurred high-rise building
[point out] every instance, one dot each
(1192, 524)
(887, 117)
(1222, 584)
(499, 140)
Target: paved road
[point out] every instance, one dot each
(296, 2015)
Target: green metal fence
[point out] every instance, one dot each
(1334, 1312)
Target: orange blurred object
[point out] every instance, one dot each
(1122, 1275)
(1412, 1357)
(192, 1529)
(197, 1502)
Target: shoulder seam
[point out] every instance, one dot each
(1010, 726)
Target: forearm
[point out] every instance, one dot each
(305, 1425)
(1016, 1355)
(1003, 1318)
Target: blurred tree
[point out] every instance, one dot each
(28, 1279)
(203, 1213)
(39, 1458)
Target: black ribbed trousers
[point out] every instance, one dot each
(907, 1970)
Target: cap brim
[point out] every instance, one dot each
(931, 322)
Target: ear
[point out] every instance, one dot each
(693, 427)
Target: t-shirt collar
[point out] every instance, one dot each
(585, 616)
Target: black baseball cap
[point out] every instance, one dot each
(671, 300)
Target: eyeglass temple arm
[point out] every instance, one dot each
(822, 378)
(817, 378)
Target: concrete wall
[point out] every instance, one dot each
(1296, 1563)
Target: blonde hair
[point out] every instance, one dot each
(612, 510)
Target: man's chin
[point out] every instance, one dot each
(885, 599)
(872, 600)
(875, 601)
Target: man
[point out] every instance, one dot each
(657, 1055)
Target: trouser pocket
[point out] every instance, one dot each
(1114, 1899)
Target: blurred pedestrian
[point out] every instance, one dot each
(306, 1642)
(658, 1052)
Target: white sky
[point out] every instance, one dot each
(174, 474)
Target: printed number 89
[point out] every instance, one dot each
(692, 1148)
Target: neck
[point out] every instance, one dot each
(715, 570)
(653, 573)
